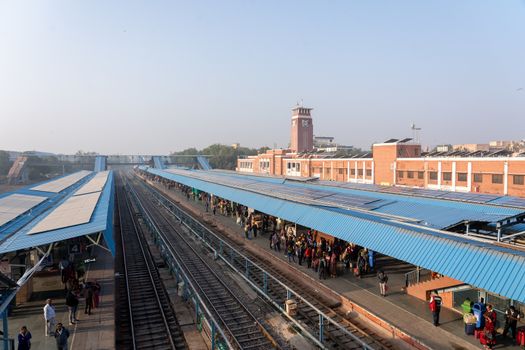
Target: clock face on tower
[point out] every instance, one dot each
(305, 123)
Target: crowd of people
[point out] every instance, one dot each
(76, 289)
(485, 317)
(330, 258)
(326, 258)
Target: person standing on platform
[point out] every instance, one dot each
(88, 294)
(488, 337)
(49, 316)
(61, 336)
(322, 268)
(512, 317)
(63, 266)
(96, 294)
(24, 339)
(72, 304)
(383, 279)
(435, 307)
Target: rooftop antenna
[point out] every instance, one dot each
(415, 132)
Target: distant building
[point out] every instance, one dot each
(302, 138)
(236, 145)
(444, 148)
(472, 147)
(327, 144)
(464, 168)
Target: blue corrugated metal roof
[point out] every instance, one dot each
(494, 268)
(430, 212)
(14, 225)
(102, 215)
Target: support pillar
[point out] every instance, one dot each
(213, 331)
(5, 329)
(321, 328)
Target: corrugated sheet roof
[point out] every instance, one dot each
(494, 268)
(430, 212)
(98, 223)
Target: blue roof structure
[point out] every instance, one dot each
(429, 212)
(101, 163)
(496, 268)
(13, 235)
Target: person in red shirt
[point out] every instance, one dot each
(488, 338)
(435, 307)
(308, 256)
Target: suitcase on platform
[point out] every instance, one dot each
(470, 328)
(520, 337)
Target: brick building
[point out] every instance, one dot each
(392, 163)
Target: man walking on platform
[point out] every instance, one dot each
(49, 316)
(383, 279)
(435, 307)
(61, 336)
(512, 317)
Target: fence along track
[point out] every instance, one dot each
(339, 332)
(150, 321)
(243, 327)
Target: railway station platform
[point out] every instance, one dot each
(91, 332)
(405, 313)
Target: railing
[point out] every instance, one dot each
(233, 258)
(417, 276)
(10, 343)
(190, 291)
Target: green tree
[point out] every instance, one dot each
(221, 156)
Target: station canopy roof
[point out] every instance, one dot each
(70, 206)
(405, 226)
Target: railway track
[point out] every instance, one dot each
(335, 336)
(145, 317)
(245, 331)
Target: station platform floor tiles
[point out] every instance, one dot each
(405, 312)
(91, 332)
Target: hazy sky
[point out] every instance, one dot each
(159, 76)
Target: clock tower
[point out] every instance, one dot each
(302, 139)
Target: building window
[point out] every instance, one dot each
(352, 171)
(421, 175)
(360, 172)
(462, 176)
(517, 179)
(478, 177)
(433, 175)
(497, 178)
(447, 176)
(264, 165)
(369, 172)
(400, 174)
(341, 171)
(410, 174)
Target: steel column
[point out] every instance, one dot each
(212, 336)
(265, 282)
(5, 329)
(321, 328)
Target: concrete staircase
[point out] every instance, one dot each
(422, 290)
(18, 173)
